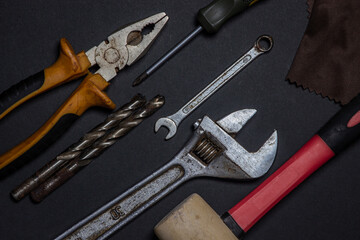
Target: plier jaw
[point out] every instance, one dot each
(123, 47)
(126, 46)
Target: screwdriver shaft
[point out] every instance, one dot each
(167, 56)
(76, 149)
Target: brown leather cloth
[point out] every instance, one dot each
(310, 5)
(328, 59)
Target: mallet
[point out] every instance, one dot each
(194, 219)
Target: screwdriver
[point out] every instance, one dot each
(210, 19)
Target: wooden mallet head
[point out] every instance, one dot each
(193, 219)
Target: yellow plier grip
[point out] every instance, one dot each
(68, 66)
(88, 94)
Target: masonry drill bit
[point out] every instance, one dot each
(96, 149)
(76, 149)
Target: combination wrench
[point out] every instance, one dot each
(172, 122)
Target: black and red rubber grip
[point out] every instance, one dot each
(337, 134)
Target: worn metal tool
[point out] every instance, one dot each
(75, 150)
(210, 18)
(212, 152)
(195, 219)
(104, 142)
(172, 122)
(122, 48)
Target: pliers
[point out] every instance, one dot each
(124, 47)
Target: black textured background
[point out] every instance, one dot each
(327, 206)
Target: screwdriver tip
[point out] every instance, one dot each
(140, 79)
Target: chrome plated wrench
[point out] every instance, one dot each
(173, 121)
(211, 152)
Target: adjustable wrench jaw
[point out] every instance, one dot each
(125, 46)
(220, 155)
(210, 152)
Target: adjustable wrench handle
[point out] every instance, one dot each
(335, 136)
(130, 204)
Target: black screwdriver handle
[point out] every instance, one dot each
(214, 15)
(343, 128)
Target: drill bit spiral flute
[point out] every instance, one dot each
(76, 150)
(96, 149)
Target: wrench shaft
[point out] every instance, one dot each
(131, 203)
(211, 152)
(215, 85)
(221, 80)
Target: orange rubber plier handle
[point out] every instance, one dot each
(89, 93)
(122, 48)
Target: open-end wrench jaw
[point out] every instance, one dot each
(169, 124)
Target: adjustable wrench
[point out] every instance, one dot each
(173, 121)
(212, 152)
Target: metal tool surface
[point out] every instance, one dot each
(97, 148)
(190, 219)
(173, 121)
(78, 148)
(212, 152)
(210, 19)
(124, 47)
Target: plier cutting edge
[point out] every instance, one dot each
(122, 48)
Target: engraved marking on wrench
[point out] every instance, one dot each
(211, 152)
(130, 202)
(215, 85)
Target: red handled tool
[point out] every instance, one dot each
(195, 219)
(335, 136)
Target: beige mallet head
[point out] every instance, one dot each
(193, 219)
